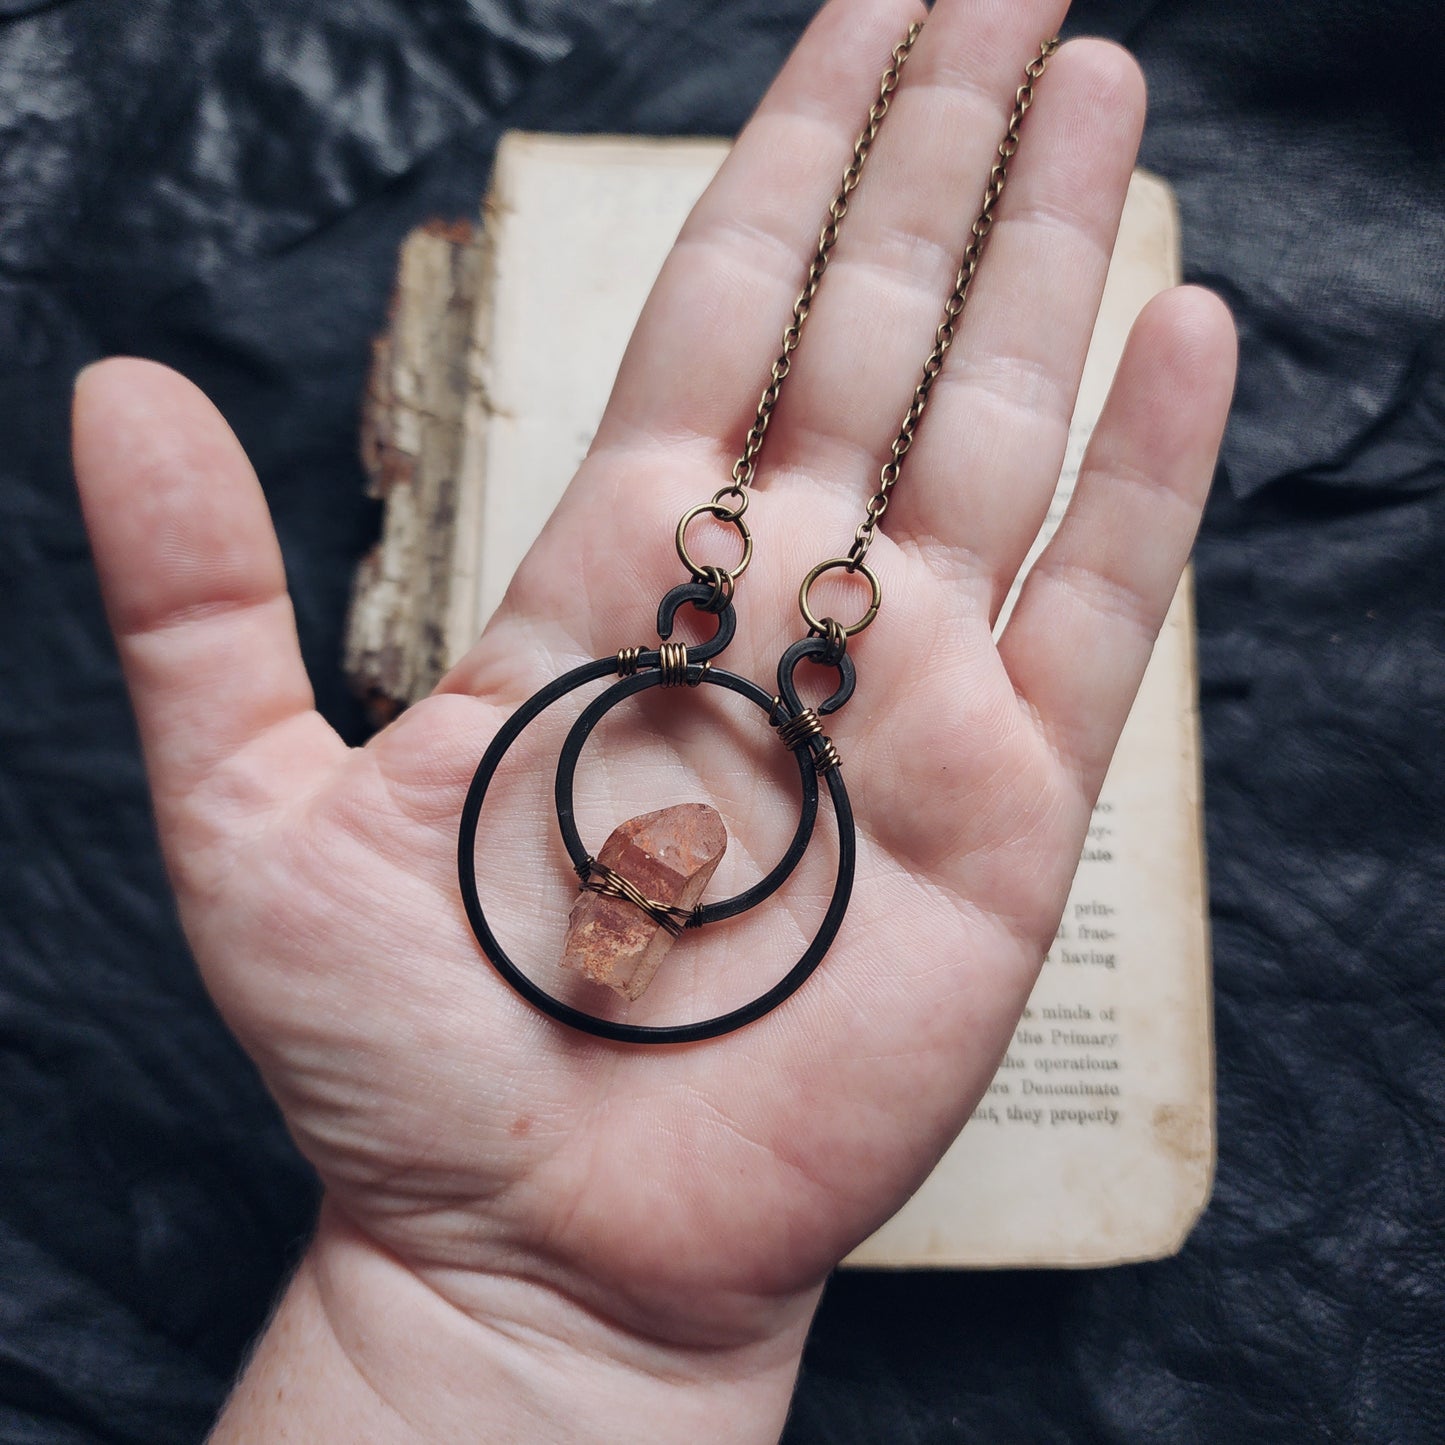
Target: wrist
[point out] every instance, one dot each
(363, 1346)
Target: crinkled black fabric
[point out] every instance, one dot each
(222, 184)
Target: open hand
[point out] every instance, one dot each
(531, 1234)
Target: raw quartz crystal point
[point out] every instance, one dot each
(670, 856)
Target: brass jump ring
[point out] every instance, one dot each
(723, 514)
(722, 589)
(821, 625)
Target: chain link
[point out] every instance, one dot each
(952, 309)
(745, 467)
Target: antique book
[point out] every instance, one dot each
(1095, 1142)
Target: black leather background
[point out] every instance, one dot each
(222, 184)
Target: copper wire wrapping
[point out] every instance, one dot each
(627, 661)
(672, 662)
(599, 878)
(676, 670)
(797, 732)
(828, 758)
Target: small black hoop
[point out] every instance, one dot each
(576, 1018)
(819, 650)
(628, 687)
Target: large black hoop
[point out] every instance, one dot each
(593, 714)
(576, 1018)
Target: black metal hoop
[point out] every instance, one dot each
(576, 1018)
(596, 710)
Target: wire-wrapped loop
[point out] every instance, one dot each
(817, 649)
(700, 595)
(597, 877)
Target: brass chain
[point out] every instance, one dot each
(730, 502)
(952, 309)
(745, 467)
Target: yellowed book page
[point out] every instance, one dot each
(1096, 1144)
(579, 228)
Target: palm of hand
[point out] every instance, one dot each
(460, 1129)
(690, 1193)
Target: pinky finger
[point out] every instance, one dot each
(1084, 627)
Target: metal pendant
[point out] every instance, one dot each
(668, 665)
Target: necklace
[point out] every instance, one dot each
(644, 887)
